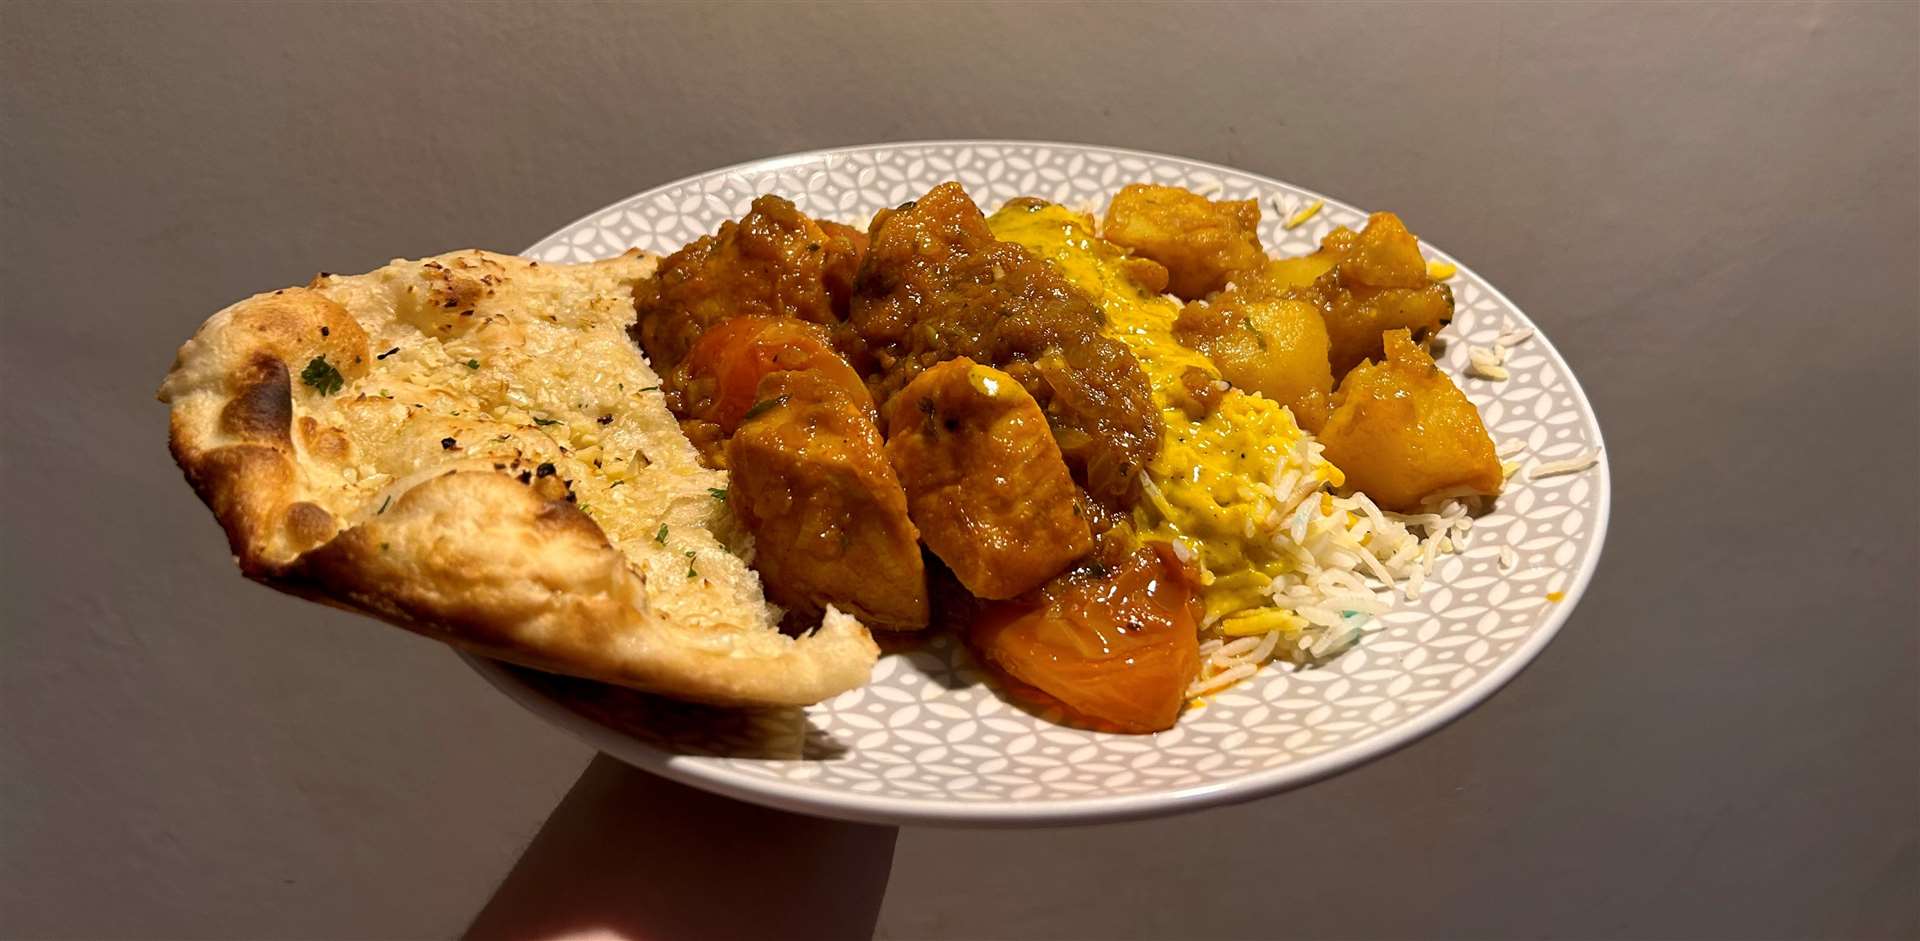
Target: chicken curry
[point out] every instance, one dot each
(1081, 422)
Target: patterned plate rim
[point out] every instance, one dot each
(713, 775)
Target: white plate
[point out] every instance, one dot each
(927, 742)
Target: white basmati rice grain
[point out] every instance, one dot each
(1415, 583)
(1487, 363)
(1264, 649)
(1513, 337)
(1575, 464)
(1235, 651)
(1219, 681)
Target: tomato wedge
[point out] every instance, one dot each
(727, 363)
(1118, 647)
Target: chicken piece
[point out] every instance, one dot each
(985, 481)
(1377, 282)
(1202, 243)
(1115, 642)
(937, 285)
(1403, 432)
(1266, 343)
(774, 262)
(846, 246)
(811, 482)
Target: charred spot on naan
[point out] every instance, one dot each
(444, 486)
(262, 404)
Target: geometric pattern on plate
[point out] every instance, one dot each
(927, 741)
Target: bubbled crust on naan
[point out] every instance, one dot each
(509, 481)
(232, 422)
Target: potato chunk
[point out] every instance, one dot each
(1266, 343)
(1301, 272)
(1202, 243)
(1369, 282)
(985, 482)
(829, 520)
(1402, 431)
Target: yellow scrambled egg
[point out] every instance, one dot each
(1211, 484)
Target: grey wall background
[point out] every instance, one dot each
(1714, 210)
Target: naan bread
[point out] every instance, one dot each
(469, 446)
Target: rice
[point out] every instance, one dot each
(1346, 564)
(1345, 567)
(1513, 337)
(1487, 363)
(1575, 464)
(1306, 212)
(1209, 684)
(1491, 362)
